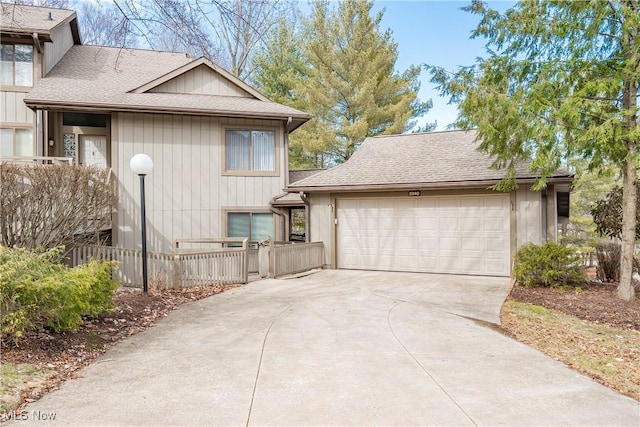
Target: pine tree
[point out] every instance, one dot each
(561, 81)
(340, 69)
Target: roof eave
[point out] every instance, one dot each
(35, 104)
(420, 185)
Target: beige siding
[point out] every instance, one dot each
(203, 81)
(53, 52)
(186, 192)
(321, 228)
(13, 110)
(528, 216)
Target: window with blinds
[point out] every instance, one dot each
(254, 225)
(250, 150)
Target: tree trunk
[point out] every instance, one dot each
(629, 196)
(630, 174)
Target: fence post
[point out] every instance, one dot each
(176, 271)
(245, 264)
(272, 258)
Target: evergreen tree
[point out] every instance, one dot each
(561, 81)
(340, 69)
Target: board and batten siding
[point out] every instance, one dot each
(13, 110)
(201, 81)
(528, 216)
(62, 42)
(186, 193)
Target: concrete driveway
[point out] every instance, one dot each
(335, 348)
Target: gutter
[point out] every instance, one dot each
(484, 184)
(36, 104)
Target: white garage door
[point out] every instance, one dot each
(461, 235)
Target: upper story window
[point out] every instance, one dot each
(250, 150)
(16, 65)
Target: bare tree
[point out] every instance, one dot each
(104, 25)
(57, 205)
(57, 4)
(244, 26)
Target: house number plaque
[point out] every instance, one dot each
(414, 193)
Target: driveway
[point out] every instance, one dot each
(335, 348)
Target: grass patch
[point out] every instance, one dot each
(16, 380)
(609, 355)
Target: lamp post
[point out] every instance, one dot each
(141, 165)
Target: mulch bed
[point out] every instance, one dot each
(595, 302)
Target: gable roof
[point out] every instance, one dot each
(434, 160)
(105, 79)
(19, 20)
(202, 61)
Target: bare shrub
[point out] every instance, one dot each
(54, 205)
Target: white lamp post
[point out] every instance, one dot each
(141, 165)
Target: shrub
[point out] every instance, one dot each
(608, 255)
(550, 265)
(37, 291)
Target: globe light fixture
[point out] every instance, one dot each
(142, 165)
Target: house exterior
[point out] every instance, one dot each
(422, 203)
(219, 147)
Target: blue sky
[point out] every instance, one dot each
(434, 33)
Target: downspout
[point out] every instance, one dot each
(41, 133)
(543, 208)
(307, 217)
(36, 42)
(282, 214)
(286, 151)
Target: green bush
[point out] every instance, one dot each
(550, 265)
(37, 291)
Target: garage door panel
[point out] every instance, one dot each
(468, 234)
(473, 243)
(448, 224)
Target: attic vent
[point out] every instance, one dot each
(49, 17)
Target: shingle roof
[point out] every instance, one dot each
(436, 159)
(29, 19)
(107, 75)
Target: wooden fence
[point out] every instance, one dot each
(195, 266)
(291, 258)
(181, 269)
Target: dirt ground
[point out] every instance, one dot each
(595, 302)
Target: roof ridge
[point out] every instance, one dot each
(421, 133)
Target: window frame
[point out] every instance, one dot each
(251, 212)
(14, 141)
(14, 87)
(250, 172)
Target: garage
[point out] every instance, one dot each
(448, 234)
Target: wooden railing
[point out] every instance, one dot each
(188, 268)
(208, 244)
(39, 160)
(291, 258)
